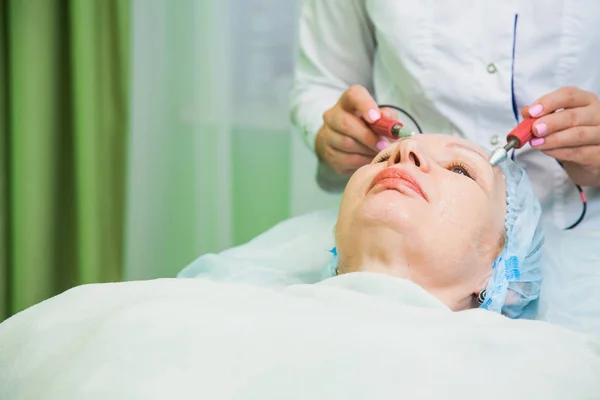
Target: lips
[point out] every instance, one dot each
(393, 178)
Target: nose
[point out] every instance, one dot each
(409, 151)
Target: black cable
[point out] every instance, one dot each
(584, 208)
(404, 112)
(583, 202)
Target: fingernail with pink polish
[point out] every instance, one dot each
(538, 141)
(382, 145)
(536, 110)
(374, 115)
(541, 128)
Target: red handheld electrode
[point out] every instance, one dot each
(521, 134)
(390, 128)
(387, 127)
(516, 139)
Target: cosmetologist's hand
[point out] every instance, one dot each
(571, 135)
(345, 141)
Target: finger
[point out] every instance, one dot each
(565, 97)
(346, 164)
(350, 172)
(565, 119)
(358, 99)
(384, 143)
(350, 125)
(354, 162)
(389, 113)
(349, 145)
(585, 155)
(572, 137)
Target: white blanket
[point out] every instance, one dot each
(296, 250)
(357, 336)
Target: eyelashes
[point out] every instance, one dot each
(457, 167)
(381, 157)
(461, 168)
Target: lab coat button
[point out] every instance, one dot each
(494, 140)
(491, 68)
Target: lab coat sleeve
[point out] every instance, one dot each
(336, 47)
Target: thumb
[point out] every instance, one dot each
(357, 100)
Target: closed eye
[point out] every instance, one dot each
(461, 168)
(381, 157)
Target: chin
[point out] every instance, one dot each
(392, 209)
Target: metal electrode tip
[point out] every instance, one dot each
(498, 156)
(501, 154)
(400, 132)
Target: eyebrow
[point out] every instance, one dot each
(462, 146)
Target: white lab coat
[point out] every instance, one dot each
(453, 65)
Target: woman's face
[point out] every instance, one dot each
(430, 209)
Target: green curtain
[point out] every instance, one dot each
(63, 137)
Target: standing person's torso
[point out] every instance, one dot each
(467, 67)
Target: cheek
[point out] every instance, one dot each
(463, 205)
(352, 198)
(463, 214)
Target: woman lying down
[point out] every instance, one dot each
(432, 210)
(427, 229)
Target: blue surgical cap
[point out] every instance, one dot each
(516, 278)
(516, 275)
